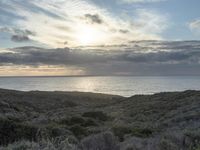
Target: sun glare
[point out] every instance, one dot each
(88, 35)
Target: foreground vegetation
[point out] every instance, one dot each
(88, 121)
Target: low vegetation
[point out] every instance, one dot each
(99, 115)
(87, 121)
(11, 132)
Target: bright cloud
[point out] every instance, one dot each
(60, 23)
(150, 21)
(195, 26)
(16, 70)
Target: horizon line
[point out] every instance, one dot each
(93, 76)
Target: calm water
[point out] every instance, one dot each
(125, 86)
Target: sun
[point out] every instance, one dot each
(89, 35)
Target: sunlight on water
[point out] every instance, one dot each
(125, 86)
(86, 85)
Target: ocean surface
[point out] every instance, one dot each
(118, 85)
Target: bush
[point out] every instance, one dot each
(79, 121)
(99, 115)
(72, 121)
(102, 141)
(198, 147)
(139, 132)
(167, 145)
(11, 132)
(193, 139)
(21, 145)
(121, 131)
(41, 145)
(89, 123)
(79, 131)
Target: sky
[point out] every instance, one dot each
(99, 37)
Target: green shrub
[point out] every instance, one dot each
(79, 131)
(89, 123)
(11, 132)
(167, 145)
(198, 147)
(55, 132)
(193, 137)
(76, 120)
(140, 132)
(79, 121)
(121, 131)
(72, 121)
(99, 115)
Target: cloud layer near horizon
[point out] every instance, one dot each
(135, 58)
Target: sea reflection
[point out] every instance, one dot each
(125, 86)
(86, 84)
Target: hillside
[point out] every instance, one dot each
(88, 121)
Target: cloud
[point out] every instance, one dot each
(55, 21)
(94, 18)
(141, 1)
(136, 58)
(16, 70)
(123, 31)
(18, 35)
(13, 30)
(20, 38)
(195, 25)
(150, 21)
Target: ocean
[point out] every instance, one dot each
(117, 85)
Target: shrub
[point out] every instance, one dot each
(99, 115)
(41, 145)
(141, 132)
(55, 132)
(121, 131)
(11, 132)
(79, 131)
(198, 147)
(79, 121)
(21, 145)
(193, 139)
(102, 141)
(167, 145)
(76, 120)
(89, 123)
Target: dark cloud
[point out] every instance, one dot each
(162, 57)
(23, 32)
(95, 18)
(12, 30)
(158, 59)
(18, 35)
(123, 31)
(20, 38)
